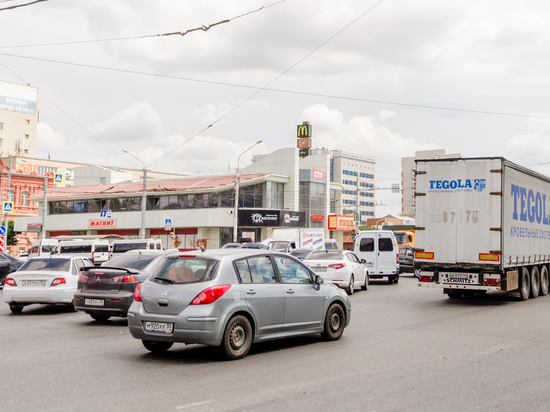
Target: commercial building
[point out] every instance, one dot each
(18, 119)
(408, 176)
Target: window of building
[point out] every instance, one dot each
(1, 126)
(26, 136)
(24, 198)
(26, 151)
(28, 121)
(11, 196)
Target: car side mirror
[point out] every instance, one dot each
(318, 280)
(363, 261)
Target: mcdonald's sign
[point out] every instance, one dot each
(304, 130)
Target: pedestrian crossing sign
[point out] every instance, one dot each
(58, 178)
(7, 207)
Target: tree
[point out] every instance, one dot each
(12, 236)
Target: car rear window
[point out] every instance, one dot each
(125, 247)
(76, 249)
(300, 253)
(131, 261)
(46, 264)
(280, 246)
(325, 255)
(182, 270)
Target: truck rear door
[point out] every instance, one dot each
(455, 207)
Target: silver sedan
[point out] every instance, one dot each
(232, 298)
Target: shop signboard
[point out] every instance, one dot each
(293, 219)
(100, 223)
(258, 217)
(341, 222)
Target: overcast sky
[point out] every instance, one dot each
(374, 78)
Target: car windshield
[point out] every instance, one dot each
(125, 247)
(325, 255)
(401, 237)
(48, 248)
(252, 246)
(185, 270)
(131, 261)
(231, 246)
(46, 264)
(278, 246)
(300, 253)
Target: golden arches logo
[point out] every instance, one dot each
(304, 130)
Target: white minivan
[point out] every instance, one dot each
(121, 246)
(378, 250)
(42, 247)
(97, 250)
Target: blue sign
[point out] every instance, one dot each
(58, 178)
(2, 230)
(7, 207)
(168, 222)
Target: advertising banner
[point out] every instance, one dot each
(17, 98)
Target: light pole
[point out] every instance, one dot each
(236, 210)
(143, 196)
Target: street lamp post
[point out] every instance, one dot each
(143, 196)
(236, 209)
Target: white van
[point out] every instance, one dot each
(42, 247)
(119, 247)
(97, 250)
(378, 250)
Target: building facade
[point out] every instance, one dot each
(408, 176)
(18, 119)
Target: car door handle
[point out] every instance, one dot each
(290, 291)
(250, 292)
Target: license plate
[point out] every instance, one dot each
(94, 302)
(319, 269)
(160, 327)
(33, 283)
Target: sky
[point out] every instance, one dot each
(379, 78)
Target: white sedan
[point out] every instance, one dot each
(44, 280)
(340, 267)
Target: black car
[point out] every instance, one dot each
(8, 264)
(108, 290)
(406, 260)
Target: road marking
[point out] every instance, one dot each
(190, 405)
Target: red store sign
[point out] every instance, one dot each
(318, 174)
(317, 218)
(101, 223)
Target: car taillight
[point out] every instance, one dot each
(93, 254)
(425, 279)
(58, 281)
(397, 259)
(82, 278)
(10, 282)
(337, 265)
(137, 293)
(127, 278)
(210, 295)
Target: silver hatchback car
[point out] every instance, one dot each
(231, 298)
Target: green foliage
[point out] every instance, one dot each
(12, 238)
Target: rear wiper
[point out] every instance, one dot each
(163, 279)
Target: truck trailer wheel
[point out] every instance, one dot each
(535, 282)
(544, 280)
(455, 295)
(524, 284)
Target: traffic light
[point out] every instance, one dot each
(353, 234)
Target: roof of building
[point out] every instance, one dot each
(185, 184)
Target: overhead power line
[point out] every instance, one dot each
(21, 5)
(244, 86)
(178, 33)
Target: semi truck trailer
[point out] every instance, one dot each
(482, 224)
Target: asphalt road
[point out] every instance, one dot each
(406, 349)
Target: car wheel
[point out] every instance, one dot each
(544, 280)
(366, 285)
(524, 284)
(335, 322)
(351, 286)
(390, 279)
(237, 338)
(100, 318)
(15, 308)
(455, 295)
(157, 347)
(416, 273)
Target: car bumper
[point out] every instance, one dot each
(193, 325)
(51, 295)
(114, 304)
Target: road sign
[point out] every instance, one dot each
(1, 244)
(167, 224)
(2, 230)
(58, 178)
(7, 207)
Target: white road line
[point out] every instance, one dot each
(190, 405)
